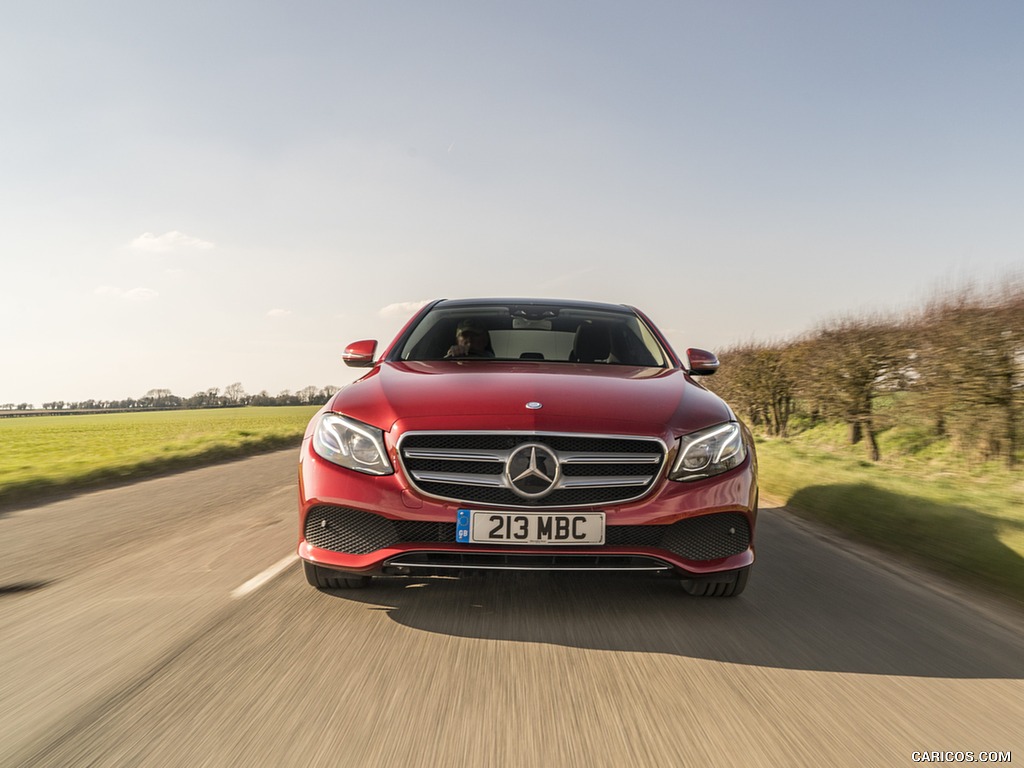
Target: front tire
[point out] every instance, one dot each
(325, 578)
(729, 584)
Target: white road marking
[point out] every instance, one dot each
(260, 579)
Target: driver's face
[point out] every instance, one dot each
(472, 340)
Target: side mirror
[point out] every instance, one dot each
(360, 354)
(702, 362)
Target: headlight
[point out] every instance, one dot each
(709, 452)
(352, 444)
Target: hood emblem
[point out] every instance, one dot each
(533, 405)
(533, 470)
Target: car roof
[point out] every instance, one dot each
(566, 303)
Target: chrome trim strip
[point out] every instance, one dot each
(534, 433)
(583, 457)
(455, 454)
(460, 478)
(655, 566)
(579, 457)
(534, 568)
(627, 481)
(500, 481)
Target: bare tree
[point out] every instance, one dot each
(970, 364)
(757, 380)
(307, 395)
(235, 393)
(846, 364)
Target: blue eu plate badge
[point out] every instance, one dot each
(462, 527)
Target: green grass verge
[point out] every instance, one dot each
(46, 454)
(963, 521)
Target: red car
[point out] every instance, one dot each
(528, 434)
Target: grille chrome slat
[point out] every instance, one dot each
(610, 458)
(456, 455)
(590, 457)
(605, 482)
(622, 467)
(498, 481)
(459, 478)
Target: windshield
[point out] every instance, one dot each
(532, 332)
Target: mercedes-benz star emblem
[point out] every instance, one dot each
(533, 470)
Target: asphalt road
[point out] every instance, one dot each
(132, 634)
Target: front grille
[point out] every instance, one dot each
(353, 532)
(470, 468)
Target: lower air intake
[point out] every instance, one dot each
(353, 532)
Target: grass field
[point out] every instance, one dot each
(965, 521)
(46, 453)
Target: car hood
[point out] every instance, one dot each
(489, 395)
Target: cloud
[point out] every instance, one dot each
(137, 295)
(402, 308)
(279, 313)
(168, 241)
(140, 294)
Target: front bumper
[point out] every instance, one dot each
(370, 525)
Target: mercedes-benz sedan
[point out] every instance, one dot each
(528, 434)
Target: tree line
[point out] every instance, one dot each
(956, 366)
(231, 395)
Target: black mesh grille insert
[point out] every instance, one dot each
(349, 530)
(415, 532)
(353, 532)
(708, 537)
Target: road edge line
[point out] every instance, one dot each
(262, 578)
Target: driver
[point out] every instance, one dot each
(471, 341)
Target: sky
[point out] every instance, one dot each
(199, 193)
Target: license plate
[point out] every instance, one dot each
(479, 527)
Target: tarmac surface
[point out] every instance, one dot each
(167, 623)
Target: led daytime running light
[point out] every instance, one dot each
(351, 444)
(709, 452)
